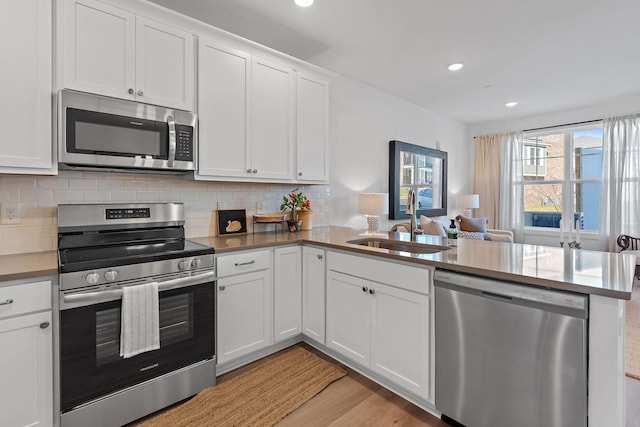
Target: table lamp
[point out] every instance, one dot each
(467, 203)
(372, 205)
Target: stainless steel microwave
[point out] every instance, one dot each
(100, 132)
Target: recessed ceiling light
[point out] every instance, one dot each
(303, 3)
(510, 104)
(455, 67)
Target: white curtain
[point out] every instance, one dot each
(620, 199)
(498, 180)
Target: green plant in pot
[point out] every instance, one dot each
(294, 202)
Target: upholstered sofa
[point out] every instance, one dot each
(439, 228)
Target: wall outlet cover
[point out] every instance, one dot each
(10, 213)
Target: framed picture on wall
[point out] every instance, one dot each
(232, 221)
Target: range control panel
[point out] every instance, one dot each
(128, 213)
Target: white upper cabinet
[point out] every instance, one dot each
(223, 107)
(259, 118)
(272, 120)
(312, 110)
(110, 51)
(25, 80)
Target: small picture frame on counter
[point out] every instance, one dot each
(232, 221)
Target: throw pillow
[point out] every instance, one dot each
(474, 235)
(472, 224)
(434, 228)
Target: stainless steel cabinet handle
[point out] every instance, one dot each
(255, 171)
(299, 173)
(222, 288)
(44, 325)
(238, 264)
(140, 93)
(249, 170)
(7, 302)
(130, 91)
(319, 256)
(172, 141)
(365, 289)
(372, 291)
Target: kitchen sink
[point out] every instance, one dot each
(399, 245)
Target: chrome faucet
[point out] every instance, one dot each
(411, 210)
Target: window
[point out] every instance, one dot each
(562, 176)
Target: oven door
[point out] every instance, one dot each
(90, 362)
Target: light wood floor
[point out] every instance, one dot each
(357, 401)
(351, 401)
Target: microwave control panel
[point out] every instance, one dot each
(184, 143)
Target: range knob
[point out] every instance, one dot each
(92, 278)
(196, 263)
(110, 275)
(184, 264)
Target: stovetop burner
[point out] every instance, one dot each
(78, 259)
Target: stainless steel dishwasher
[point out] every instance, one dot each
(508, 354)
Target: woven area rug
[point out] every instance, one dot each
(261, 396)
(632, 351)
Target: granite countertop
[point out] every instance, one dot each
(581, 271)
(28, 265)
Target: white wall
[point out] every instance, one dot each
(363, 121)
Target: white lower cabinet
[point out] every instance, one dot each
(26, 366)
(382, 327)
(313, 293)
(287, 292)
(244, 304)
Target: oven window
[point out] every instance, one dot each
(176, 324)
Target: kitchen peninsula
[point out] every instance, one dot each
(305, 267)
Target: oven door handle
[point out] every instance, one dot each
(80, 299)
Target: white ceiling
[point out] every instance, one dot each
(549, 55)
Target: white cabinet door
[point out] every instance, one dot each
(313, 293)
(25, 79)
(223, 106)
(26, 370)
(348, 316)
(312, 121)
(244, 314)
(272, 144)
(287, 288)
(164, 65)
(109, 51)
(99, 49)
(400, 337)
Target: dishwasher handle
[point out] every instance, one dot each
(512, 292)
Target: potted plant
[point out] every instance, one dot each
(295, 202)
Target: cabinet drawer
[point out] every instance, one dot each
(415, 279)
(228, 265)
(25, 298)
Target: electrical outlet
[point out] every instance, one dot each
(10, 213)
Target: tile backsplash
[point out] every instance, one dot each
(39, 197)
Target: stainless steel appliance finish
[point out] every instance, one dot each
(509, 355)
(107, 133)
(102, 249)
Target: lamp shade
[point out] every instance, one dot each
(373, 203)
(468, 201)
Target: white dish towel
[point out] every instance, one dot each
(140, 320)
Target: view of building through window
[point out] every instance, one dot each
(563, 176)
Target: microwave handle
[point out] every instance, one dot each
(172, 141)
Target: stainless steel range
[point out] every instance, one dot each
(103, 250)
